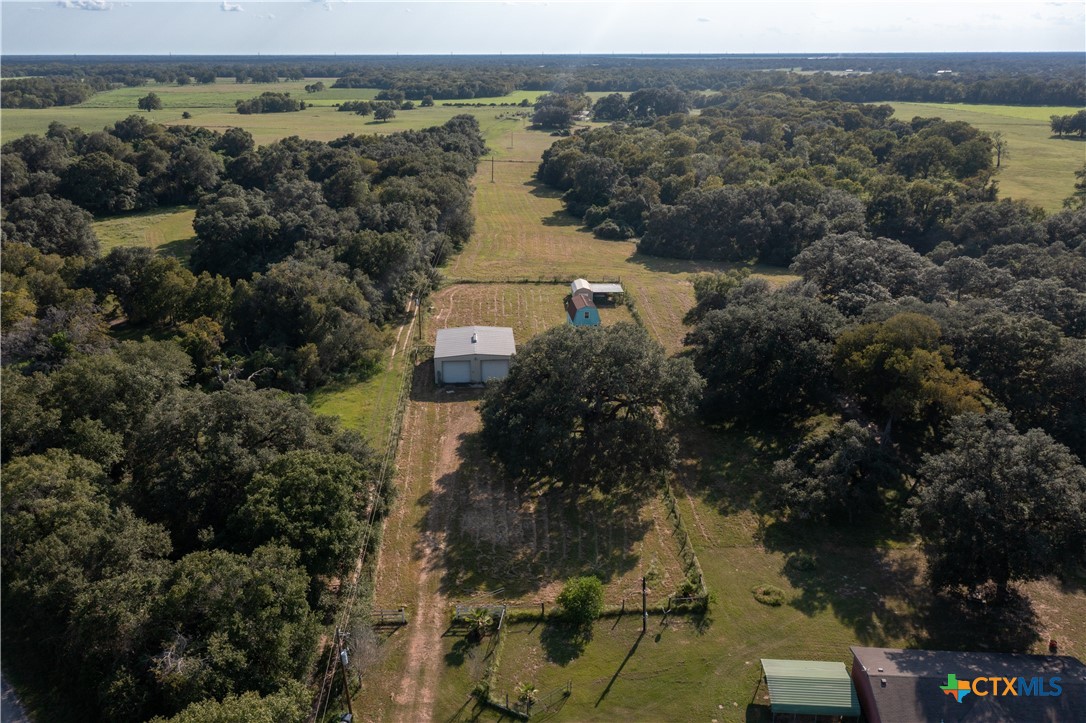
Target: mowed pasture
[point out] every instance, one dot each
(1038, 167)
(523, 232)
(166, 230)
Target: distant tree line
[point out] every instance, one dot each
(1010, 78)
(48, 92)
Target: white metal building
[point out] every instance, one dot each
(467, 354)
(585, 288)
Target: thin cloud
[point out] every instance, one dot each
(231, 7)
(703, 20)
(85, 4)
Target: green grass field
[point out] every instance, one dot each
(365, 407)
(168, 230)
(1038, 168)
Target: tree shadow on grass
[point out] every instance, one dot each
(956, 621)
(496, 533)
(869, 586)
(542, 190)
(561, 218)
(668, 265)
(181, 249)
(564, 642)
(727, 466)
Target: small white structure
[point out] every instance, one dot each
(472, 354)
(584, 288)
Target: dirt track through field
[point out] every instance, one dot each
(418, 684)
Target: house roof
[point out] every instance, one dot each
(810, 687)
(913, 678)
(488, 341)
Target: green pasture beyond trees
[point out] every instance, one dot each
(213, 106)
(1038, 167)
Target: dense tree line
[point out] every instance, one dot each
(170, 521)
(48, 92)
(167, 543)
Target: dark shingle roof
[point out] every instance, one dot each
(912, 693)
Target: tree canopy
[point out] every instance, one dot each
(999, 505)
(583, 407)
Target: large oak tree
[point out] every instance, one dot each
(589, 406)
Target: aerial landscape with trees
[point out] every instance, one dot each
(873, 347)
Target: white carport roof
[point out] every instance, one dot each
(489, 341)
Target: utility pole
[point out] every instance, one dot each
(492, 169)
(644, 607)
(418, 311)
(343, 669)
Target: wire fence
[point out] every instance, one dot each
(320, 704)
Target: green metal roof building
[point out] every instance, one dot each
(810, 687)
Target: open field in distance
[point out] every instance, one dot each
(1038, 167)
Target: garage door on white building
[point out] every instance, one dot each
(495, 369)
(456, 372)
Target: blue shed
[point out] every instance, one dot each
(581, 311)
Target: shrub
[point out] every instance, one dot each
(768, 595)
(611, 231)
(582, 599)
(688, 587)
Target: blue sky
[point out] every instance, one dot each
(453, 26)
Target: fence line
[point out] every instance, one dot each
(371, 535)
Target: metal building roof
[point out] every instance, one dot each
(468, 340)
(583, 285)
(810, 687)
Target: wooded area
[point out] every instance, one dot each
(177, 521)
(172, 523)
